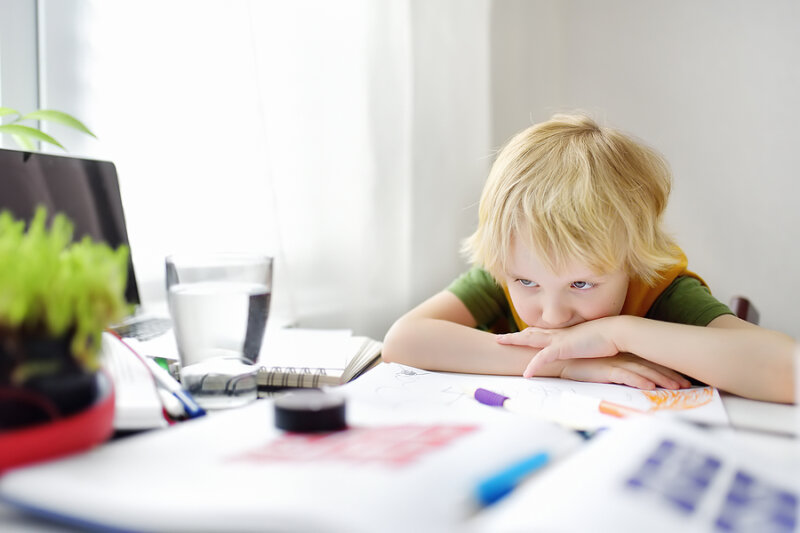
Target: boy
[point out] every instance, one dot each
(576, 274)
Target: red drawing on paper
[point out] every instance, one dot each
(390, 446)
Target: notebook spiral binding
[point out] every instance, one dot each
(272, 378)
(286, 377)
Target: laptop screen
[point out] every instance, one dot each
(85, 190)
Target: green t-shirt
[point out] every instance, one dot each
(684, 301)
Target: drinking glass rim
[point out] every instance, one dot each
(218, 258)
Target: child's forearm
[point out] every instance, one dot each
(441, 345)
(748, 361)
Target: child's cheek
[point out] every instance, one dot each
(525, 307)
(608, 307)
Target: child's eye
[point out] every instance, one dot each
(527, 283)
(582, 285)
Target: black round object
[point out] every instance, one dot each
(309, 411)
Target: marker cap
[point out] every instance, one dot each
(488, 397)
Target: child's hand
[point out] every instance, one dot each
(625, 369)
(587, 342)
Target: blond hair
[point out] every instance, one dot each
(575, 191)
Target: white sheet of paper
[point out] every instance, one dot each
(234, 471)
(307, 348)
(443, 394)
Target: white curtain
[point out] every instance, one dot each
(347, 138)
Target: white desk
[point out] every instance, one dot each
(765, 416)
(742, 413)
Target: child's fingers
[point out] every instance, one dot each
(544, 356)
(606, 371)
(650, 378)
(667, 379)
(531, 369)
(655, 375)
(662, 376)
(624, 376)
(532, 337)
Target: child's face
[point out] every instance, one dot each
(546, 299)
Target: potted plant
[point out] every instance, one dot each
(56, 299)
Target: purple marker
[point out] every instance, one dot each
(522, 407)
(487, 397)
(570, 403)
(495, 399)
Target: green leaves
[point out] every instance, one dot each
(50, 285)
(23, 136)
(59, 117)
(26, 136)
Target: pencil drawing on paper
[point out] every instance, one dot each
(448, 390)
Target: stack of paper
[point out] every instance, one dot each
(137, 403)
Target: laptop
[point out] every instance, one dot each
(87, 192)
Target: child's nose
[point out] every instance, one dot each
(555, 314)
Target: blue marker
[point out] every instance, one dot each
(165, 380)
(498, 485)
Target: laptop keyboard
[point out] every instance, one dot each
(143, 329)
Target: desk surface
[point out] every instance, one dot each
(768, 417)
(748, 415)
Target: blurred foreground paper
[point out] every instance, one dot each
(234, 471)
(655, 475)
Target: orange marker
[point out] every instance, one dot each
(618, 410)
(581, 401)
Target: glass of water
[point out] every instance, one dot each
(219, 304)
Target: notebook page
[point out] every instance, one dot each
(308, 348)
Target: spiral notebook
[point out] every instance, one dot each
(315, 359)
